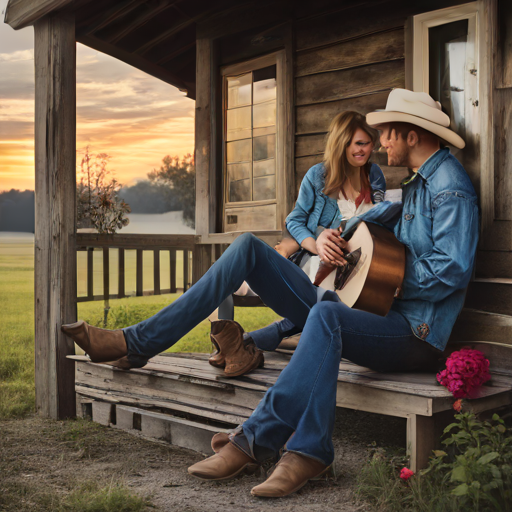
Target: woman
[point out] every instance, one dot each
(345, 184)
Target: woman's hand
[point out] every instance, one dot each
(330, 247)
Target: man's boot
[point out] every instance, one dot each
(101, 345)
(227, 463)
(291, 473)
(240, 357)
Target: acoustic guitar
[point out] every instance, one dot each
(375, 270)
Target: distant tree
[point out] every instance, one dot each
(17, 210)
(180, 176)
(97, 195)
(149, 197)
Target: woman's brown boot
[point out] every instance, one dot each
(240, 357)
(217, 358)
(101, 345)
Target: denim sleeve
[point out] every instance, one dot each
(449, 265)
(377, 183)
(297, 219)
(385, 213)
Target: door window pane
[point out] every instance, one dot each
(240, 191)
(264, 147)
(264, 188)
(239, 90)
(265, 84)
(264, 167)
(264, 114)
(448, 70)
(239, 151)
(238, 123)
(239, 171)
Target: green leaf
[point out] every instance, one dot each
(501, 429)
(475, 484)
(439, 453)
(459, 474)
(495, 417)
(488, 457)
(461, 490)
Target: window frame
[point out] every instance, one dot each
(278, 59)
(480, 13)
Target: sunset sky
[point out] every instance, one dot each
(135, 118)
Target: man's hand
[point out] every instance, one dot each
(330, 247)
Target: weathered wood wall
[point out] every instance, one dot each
(348, 58)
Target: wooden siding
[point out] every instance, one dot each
(333, 75)
(342, 64)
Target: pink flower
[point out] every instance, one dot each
(406, 473)
(466, 370)
(458, 405)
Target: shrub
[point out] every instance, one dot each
(474, 472)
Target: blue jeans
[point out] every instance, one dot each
(303, 400)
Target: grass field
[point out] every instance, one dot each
(17, 325)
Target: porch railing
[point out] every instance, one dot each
(174, 244)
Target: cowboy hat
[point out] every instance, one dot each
(416, 108)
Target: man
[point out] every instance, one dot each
(438, 224)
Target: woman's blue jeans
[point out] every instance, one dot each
(303, 400)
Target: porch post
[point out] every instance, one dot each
(55, 190)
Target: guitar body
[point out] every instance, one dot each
(374, 282)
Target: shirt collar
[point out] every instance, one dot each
(431, 164)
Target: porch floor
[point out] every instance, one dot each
(184, 393)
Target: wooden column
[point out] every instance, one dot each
(203, 150)
(55, 187)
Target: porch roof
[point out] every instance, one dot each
(155, 36)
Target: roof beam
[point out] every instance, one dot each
(176, 53)
(22, 13)
(135, 24)
(133, 60)
(165, 35)
(119, 9)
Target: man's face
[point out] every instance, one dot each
(395, 145)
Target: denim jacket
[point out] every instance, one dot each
(438, 224)
(313, 208)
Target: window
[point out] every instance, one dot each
(445, 64)
(252, 147)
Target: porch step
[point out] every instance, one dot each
(158, 426)
(493, 295)
(491, 264)
(477, 325)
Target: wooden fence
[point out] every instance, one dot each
(140, 243)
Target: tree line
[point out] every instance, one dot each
(103, 203)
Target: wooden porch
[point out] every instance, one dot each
(181, 399)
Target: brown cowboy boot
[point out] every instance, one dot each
(101, 345)
(240, 357)
(227, 463)
(290, 474)
(217, 358)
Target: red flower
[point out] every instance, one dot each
(406, 473)
(458, 405)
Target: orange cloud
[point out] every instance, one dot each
(121, 111)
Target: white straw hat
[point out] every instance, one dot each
(417, 108)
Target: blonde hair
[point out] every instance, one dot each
(339, 137)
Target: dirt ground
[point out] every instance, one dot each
(40, 456)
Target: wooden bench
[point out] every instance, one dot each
(181, 399)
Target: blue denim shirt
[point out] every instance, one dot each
(437, 222)
(313, 208)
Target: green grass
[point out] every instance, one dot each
(17, 325)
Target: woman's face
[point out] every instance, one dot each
(359, 149)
